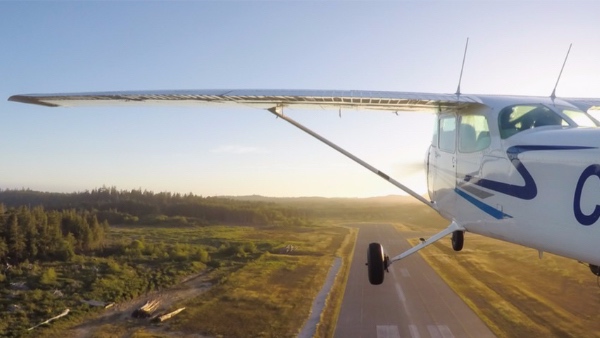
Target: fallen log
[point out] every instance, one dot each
(169, 315)
(64, 313)
(146, 310)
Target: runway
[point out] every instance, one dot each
(413, 300)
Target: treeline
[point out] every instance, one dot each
(36, 234)
(133, 206)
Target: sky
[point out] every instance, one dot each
(515, 47)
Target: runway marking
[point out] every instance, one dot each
(388, 331)
(404, 272)
(433, 331)
(414, 332)
(445, 331)
(400, 293)
(439, 331)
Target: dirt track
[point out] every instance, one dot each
(191, 287)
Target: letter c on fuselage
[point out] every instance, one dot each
(593, 170)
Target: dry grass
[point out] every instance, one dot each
(269, 297)
(516, 293)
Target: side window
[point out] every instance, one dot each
(447, 133)
(580, 118)
(474, 134)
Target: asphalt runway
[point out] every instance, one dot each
(413, 300)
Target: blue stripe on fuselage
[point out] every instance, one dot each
(497, 214)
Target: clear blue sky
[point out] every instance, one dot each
(516, 47)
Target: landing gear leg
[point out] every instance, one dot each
(458, 240)
(377, 263)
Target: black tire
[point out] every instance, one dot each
(458, 240)
(375, 263)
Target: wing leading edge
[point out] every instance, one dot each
(584, 104)
(259, 98)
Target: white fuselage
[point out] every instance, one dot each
(537, 185)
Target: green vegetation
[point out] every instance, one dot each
(146, 207)
(121, 269)
(54, 257)
(33, 234)
(257, 255)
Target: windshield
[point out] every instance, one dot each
(517, 118)
(520, 117)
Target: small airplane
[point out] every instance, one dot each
(522, 169)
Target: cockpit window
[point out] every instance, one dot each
(517, 118)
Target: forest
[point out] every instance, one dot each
(134, 206)
(62, 250)
(34, 234)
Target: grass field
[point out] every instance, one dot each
(260, 290)
(263, 292)
(269, 297)
(516, 293)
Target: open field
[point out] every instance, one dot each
(263, 285)
(251, 275)
(242, 251)
(270, 297)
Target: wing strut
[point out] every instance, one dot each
(278, 111)
(450, 229)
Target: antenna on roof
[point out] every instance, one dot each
(553, 95)
(461, 69)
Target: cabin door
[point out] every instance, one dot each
(441, 173)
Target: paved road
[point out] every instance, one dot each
(413, 300)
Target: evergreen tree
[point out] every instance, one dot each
(53, 239)
(3, 250)
(27, 224)
(15, 240)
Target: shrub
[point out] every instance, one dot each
(48, 277)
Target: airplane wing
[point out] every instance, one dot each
(259, 98)
(584, 104)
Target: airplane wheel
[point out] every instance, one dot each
(458, 240)
(375, 263)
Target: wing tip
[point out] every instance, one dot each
(31, 100)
